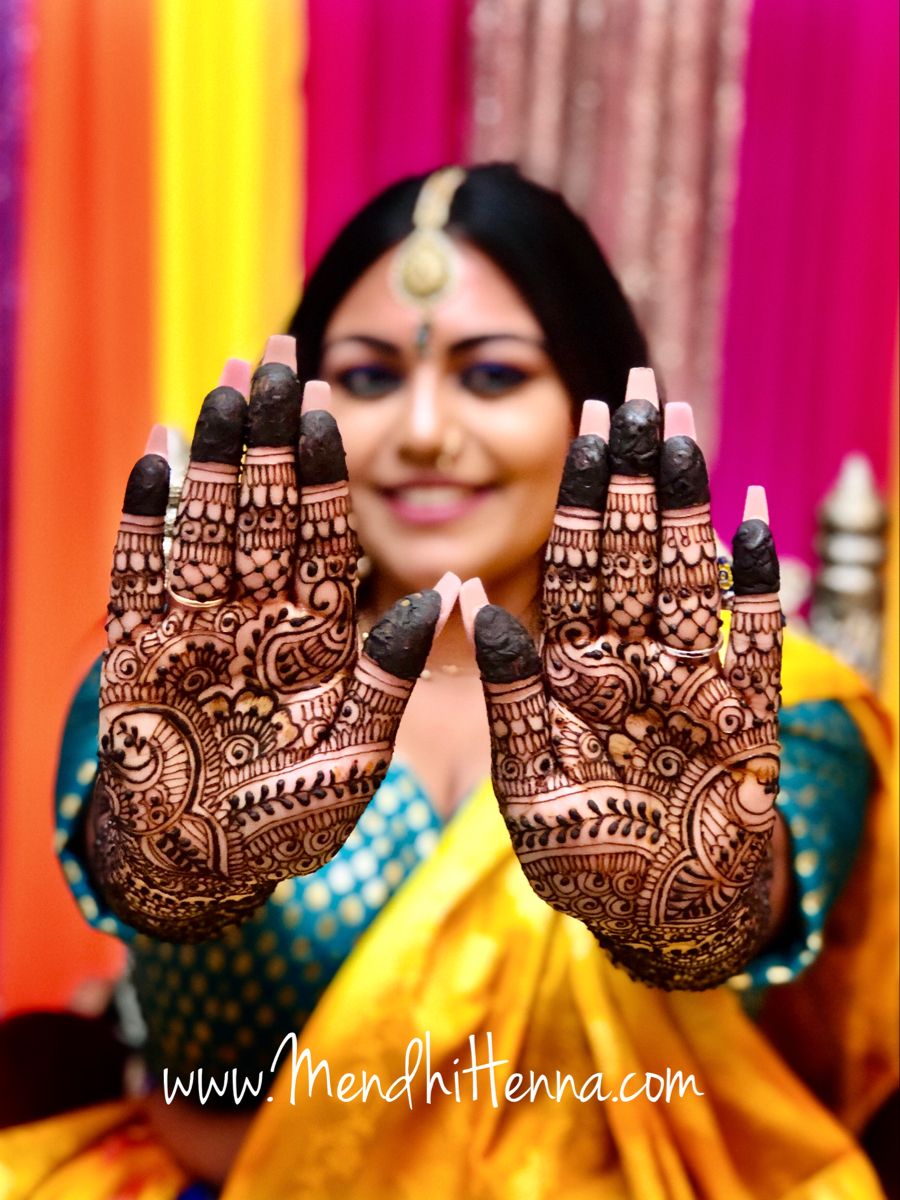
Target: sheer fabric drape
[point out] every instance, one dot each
(632, 108)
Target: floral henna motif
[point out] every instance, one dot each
(637, 777)
(267, 521)
(240, 741)
(209, 791)
(201, 559)
(688, 600)
(267, 524)
(629, 555)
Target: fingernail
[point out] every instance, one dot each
(236, 374)
(158, 442)
(594, 419)
(447, 587)
(281, 348)
(756, 506)
(316, 394)
(472, 598)
(642, 385)
(678, 420)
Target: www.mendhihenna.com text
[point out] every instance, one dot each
(483, 1077)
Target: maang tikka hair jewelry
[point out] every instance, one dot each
(425, 266)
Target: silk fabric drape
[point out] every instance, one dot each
(386, 94)
(812, 308)
(633, 110)
(160, 234)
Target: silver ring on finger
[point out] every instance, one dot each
(694, 655)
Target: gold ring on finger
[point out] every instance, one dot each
(189, 602)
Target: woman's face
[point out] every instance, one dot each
(455, 450)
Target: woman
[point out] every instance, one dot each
(458, 356)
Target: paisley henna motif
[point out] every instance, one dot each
(240, 741)
(637, 776)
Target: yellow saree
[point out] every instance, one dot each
(468, 960)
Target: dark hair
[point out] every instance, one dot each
(534, 238)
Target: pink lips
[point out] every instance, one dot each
(432, 503)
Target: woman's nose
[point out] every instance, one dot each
(425, 415)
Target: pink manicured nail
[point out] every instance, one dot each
(678, 420)
(756, 506)
(447, 587)
(316, 395)
(472, 598)
(236, 374)
(594, 419)
(158, 442)
(281, 348)
(642, 385)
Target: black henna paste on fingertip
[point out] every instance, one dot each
(683, 479)
(634, 439)
(755, 561)
(274, 416)
(322, 458)
(586, 474)
(147, 491)
(504, 648)
(219, 432)
(401, 641)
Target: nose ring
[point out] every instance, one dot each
(450, 450)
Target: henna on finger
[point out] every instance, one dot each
(201, 559)
(137, 580)
(569, 593)
(504, 650)
(753, 658)
(267, 516)
(326, 560)
(630, 530)
(400, 641)
(314, 806)
(688, 588)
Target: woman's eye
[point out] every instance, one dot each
(368, 382)
(491, 379)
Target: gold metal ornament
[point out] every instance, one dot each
(425, 266)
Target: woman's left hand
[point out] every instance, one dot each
(636, 773)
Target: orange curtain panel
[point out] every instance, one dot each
(161, 227)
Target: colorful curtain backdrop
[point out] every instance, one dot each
(14, 24)
(812, 305)
(387, 96)
(633, 111)
(160, 233)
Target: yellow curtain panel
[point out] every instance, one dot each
(161, 233)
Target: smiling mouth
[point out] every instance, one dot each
(433, 504)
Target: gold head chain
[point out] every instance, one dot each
(425, 267)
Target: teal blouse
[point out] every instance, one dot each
(230, 1001)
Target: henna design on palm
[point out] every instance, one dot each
(241, 732)
(636, 774)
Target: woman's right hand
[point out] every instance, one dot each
(241, 732)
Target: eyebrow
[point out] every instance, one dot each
(461, 347)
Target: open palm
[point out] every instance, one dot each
(636, 773)
(241, 732)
